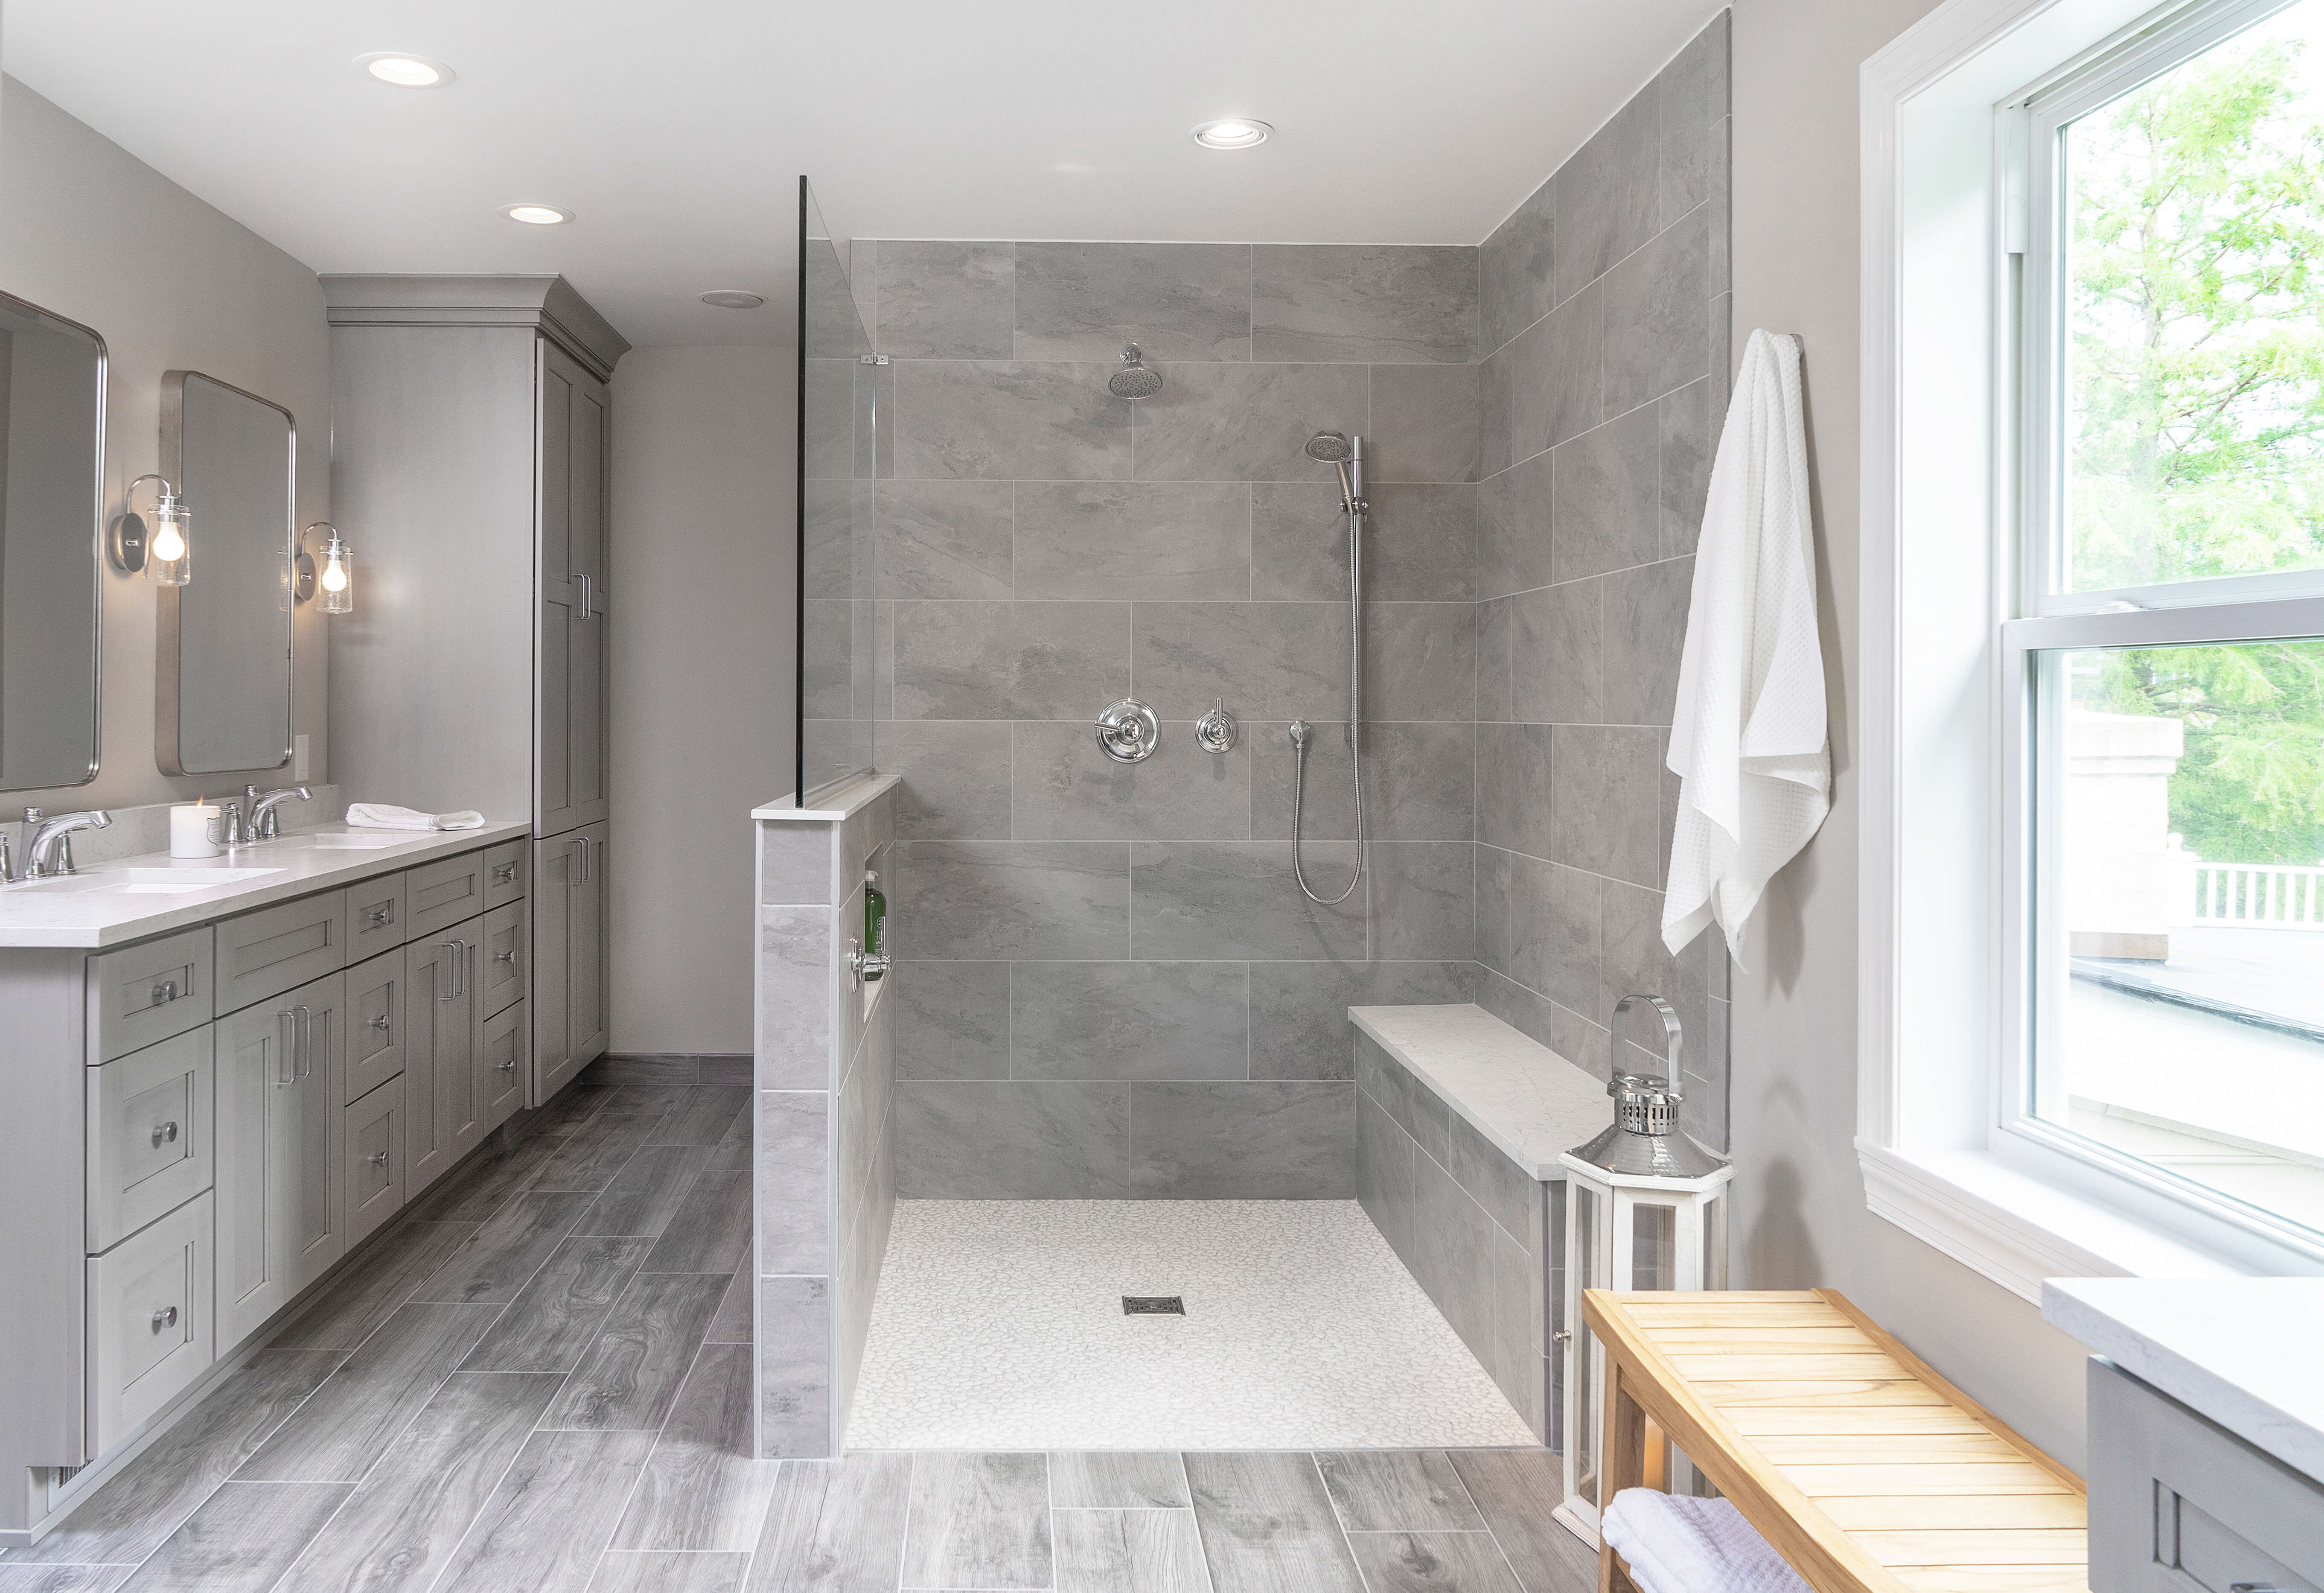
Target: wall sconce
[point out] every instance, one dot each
(337, 580)
(164, 550)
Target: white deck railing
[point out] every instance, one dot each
(2249, 895)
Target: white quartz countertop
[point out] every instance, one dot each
(2243, 1351)
(1523, 1097)
(844, 801)
(130, 898)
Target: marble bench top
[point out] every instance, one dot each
(1529, 1101)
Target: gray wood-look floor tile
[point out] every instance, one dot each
(701, 1489)
(1513, 1490)
(1144, 1551)
(1397, 1491)
(346, 1424)
(1432, 1562)
(733, 1321)
(733, 1150)
(1267, 1523)
(62, 1578)
(399, 1529)
(979, 1520)
(588, 1158)
(632, 1370)
(483, 1184)
(835, 1526)
(493, 1265)
(547, 1523)
(1117, 1480)
(126, 1519)
(381, 1279)
(549, 1326)
(647, 1192)
(671, 1573)
(711, 1230)
(703, 1118)
(241, 1539)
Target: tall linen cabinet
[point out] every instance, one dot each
(469, 447)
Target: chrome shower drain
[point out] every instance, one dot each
(1153, 1305)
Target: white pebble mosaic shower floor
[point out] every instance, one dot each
(999, 1325)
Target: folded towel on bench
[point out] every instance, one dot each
(387, 815)
(1675, 1544)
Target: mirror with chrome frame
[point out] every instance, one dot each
(222, 656)
(51, 528)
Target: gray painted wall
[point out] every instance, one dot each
(700, 605)
(1799, 1202)
(93, 235)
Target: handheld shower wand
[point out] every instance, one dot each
(1346, 455)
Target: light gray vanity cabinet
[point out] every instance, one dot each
(375, 1160)
(502, 1061)
(152, 1331)
(440, 1095)
(504, 972)
(470, 421)
(376, 912)
(264, 953)
(280, 1151)
(569, 1024)
(375, 1023)
(149, 1134)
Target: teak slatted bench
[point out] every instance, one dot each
(1860, 1466)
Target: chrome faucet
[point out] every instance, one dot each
(258, 810)
(48, 843)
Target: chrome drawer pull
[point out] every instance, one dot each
(508, 1067)
(165, 992)
(377, 1158)
(384, 913)
(167, 1317)
(507, 956)
(382, 1022)
(165, 1134)
(506, 873)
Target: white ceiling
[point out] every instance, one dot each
(676, 133)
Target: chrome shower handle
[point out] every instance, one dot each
(1127, 731)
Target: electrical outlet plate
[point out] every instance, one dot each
(299, 759)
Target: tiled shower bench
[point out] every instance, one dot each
(1459, 1122)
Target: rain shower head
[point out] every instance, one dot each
(1332, 448)
(1134, 380)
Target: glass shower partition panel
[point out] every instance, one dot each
(839, 422)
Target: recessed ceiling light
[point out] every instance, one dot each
(536, 215)
(405, 71)
(1234, 132)
(734, 299)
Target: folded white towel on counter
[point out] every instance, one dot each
(387, 815)
(1675, 1544)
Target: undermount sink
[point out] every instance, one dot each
(145, 882)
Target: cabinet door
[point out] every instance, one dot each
(503, 972)
(280, 948)
(569, 957)
(280, 1126)
(500, 1064)
(375, 1172)
(569, 674)
(375, 1023)
(149, 1322)
(149, 1134)
(440, 1103)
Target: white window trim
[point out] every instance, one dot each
(1943, 1153)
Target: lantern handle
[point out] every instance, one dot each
(1671, 1036)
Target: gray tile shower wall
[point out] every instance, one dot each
(1604, 308)
(1110, 984)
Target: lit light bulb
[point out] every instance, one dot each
(169, 546)
(335, 576)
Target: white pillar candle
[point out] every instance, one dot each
(194, 829)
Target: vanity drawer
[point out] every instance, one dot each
(438, 895)
(375, 915)
(149, 1134)
(277, 949)
(142, 994)
(375, 1170)
(505, 871)
(500, 1063)
(375, 995)
(149, 1322)
(504, 968)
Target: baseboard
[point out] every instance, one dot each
(681, 1067)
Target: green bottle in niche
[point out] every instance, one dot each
(875, 920)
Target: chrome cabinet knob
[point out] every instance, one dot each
(165, 992)
(377, 1158)
(167, 1317)
(165, 1134)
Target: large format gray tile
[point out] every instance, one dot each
(548, 1326)
(1387, 303)
(1064, 787)
(945, 299)
(1009, 661)
(1419, 542)
(1177, 301)
(1012, 899)
(1246, 423)
(1658, 315)
(1516, 270)
(1520, 1365)
(1384, 1176)
(548, 1520)
(1134, 540)
(63, 1577)
(1607, 197)
(794, 1367)
(1022, 1140)
(341, 1429)
(1423, 901)
(241, 1539)
(1687, 447)
(381, 1278)
(1497, 410)
(1240, 900)
(1398, 1490)
(835, 1526)
(399, 1529)
(1117, 1479)
(495, 1263)
(1692, 91)
(1645, 618)
(1420, 661)
(1268, 661)
(1607, 814)
(1453, 1243)
(587, 1158)
(1515, 1489)
(733, 1322)
(1515, 806)
(1432, 1562)
(952, 1019)
(632, 1371)
(127, 1518)
(1004, 419)
(1267, 1522)
(1555, 667)
(1128, 1552)
(1496, 623)
(793, 1021)
(792, 1192)
(1606, 497)
(944, 539)
(643, 1196)
(1267, 1140)
(1299, 1026)
(1130, 1020)
(1637, 961)
(954, 775)
(1418, 782)
(710, 1232)
(1514, 535)
(1426, 423)
(979, 1520)
(700, 1489)
(1538, 923)
(1557, 374)
(670, 1571)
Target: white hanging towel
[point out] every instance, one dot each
(1749, 741)
(1676, 1544)
(387, 816)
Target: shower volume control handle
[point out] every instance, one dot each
(1128, 732)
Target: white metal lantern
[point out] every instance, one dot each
(1645, 1207)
